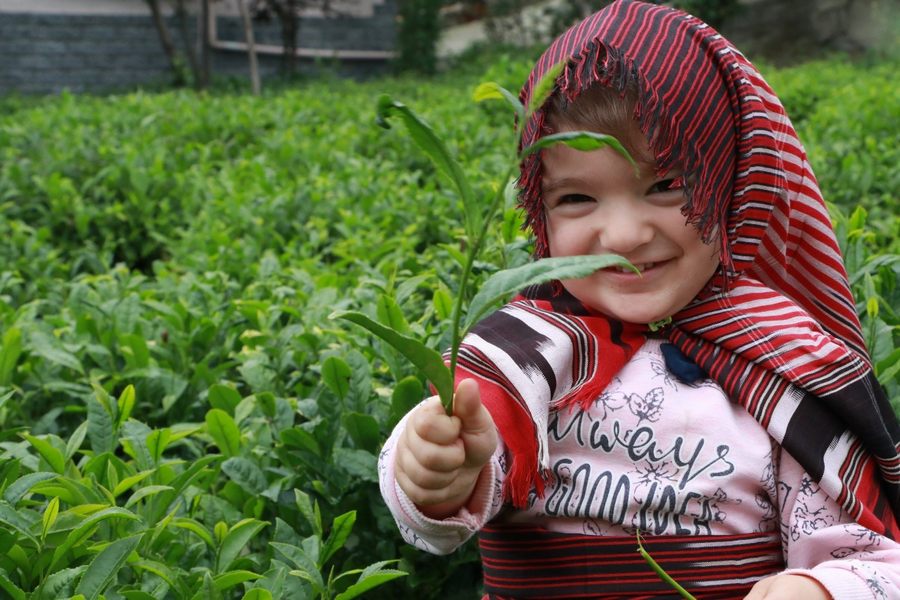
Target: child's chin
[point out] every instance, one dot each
(640, 318)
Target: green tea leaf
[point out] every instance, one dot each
(71, 491)
(223, 397)
(10, 351)
(137, 594)
(246, 474)
(208, 590)
(657, 568)
(112, 476)
(371, 577)
(101, 421)
(196, 528)
(336, 376)
(363, 429)
(490, 90)
(50, 350)
(503, 283)
(21, 486)
(487, 90)
(888, 368)
(127, 483)
(220, 530)
(267, 403)
(180, 483)
(408, 392)
(579, 140)
(14, 591)
(306, 566)
(59, 584)
(86, 528)
(103, 569)
(340, 531)
(308, 511)
(544, 87)
(229, 579)
(73, 445)
(302, 439)
(257, 594)
(125, 404)
(428, 361)
(134, 347)
(443, 302)
(4, 398)
(237, 537)
(144, 492)
(434, 148)
(358, 463)
(157, 442)
(20, 522)
(390, 315)
(54, 457)
(224, 432)
(49, 516)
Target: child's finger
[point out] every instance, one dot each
(467, 406)
(424, 478)
(477, 427)
(431, 423)
(425, 455)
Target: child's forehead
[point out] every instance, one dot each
(626, 131)
(632, 141)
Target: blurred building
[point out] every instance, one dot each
(104, 45)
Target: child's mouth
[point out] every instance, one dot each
(641, 267)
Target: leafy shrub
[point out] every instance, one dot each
(174, 401)
(419, 29)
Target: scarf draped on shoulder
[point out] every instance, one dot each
(777, 328)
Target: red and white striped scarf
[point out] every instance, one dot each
(778, 330)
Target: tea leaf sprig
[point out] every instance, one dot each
(660, 571)
(477, 221)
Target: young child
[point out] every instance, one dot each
(720, 404)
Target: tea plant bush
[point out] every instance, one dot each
(178, 416)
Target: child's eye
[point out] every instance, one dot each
(667, 185)
(573, 199)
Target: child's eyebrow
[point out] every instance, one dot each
(548, 186)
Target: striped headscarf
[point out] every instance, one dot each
(778, 329)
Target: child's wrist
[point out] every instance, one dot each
(452, 506)
(442, 511)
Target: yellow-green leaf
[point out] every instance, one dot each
(544, 87)
(54, 457)
(125, 404)
(49, 516)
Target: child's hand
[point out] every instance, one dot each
(439, 458)
(788, 587)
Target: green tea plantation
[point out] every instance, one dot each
(179, 416)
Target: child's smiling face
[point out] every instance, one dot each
(595, 204)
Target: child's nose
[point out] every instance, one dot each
(623, 230)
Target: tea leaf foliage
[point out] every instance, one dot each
(180, 418)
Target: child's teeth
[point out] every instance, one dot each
(642, 267)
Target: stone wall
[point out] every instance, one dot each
(781, 31)
(42, 52)
(786, 32)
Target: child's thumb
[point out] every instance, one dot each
(467, 406)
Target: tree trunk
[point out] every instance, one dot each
(181, 15)
(289, 25)
(166, 40)
(288, 18)
(251, 47)
(203, 74)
